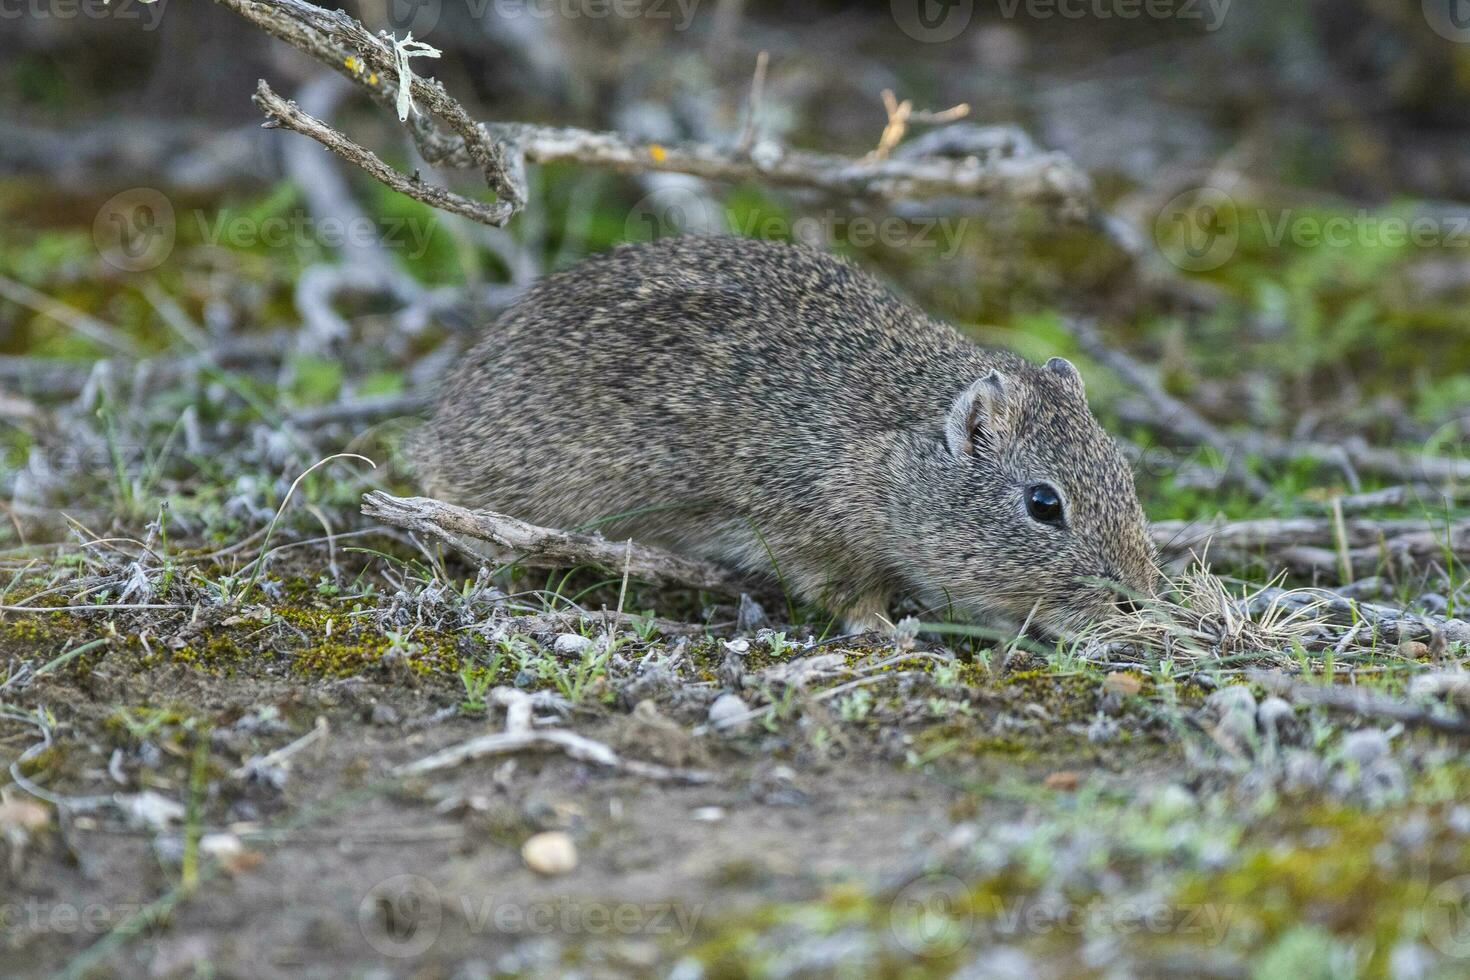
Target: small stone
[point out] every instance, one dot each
(571, 644)
(384, 714)
(1413, 650)
(1278, 720)
(25, 816)
(1122, 683)
(220, 845)
(708, 814)
(1229, 716)
(1236, 697)
(550, 853)
(150, 810)
(1065, 781)
(728, 714)
(1455, 684)
(1365, 747)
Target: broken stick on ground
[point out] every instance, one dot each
(482, 534)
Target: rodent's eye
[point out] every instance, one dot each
(1044, 504)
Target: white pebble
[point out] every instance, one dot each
(571, 643)
(728, 714)
(550, 853)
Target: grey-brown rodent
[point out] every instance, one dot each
(710, 388)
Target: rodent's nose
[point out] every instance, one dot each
(1126, 605)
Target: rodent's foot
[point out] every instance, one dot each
(868, 615)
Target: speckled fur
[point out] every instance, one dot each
(724, 385)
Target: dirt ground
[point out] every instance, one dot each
(1031, 818)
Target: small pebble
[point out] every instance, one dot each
(221, 846)
(550, 853)
(1278, 720)
(568, 644)
(1066, 781)
(709, 814)
(1120, 682)
(727, 714)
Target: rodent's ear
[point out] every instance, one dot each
(976, 411)
(1065, 368)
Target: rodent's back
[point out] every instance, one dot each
(683, 369)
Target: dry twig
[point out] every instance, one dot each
(500, 151)
(1359, 702)
(519, 736)
(482, 534)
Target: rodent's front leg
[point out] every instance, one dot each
(868, 614)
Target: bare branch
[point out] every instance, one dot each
(286, 113)
(1315, 544)
(501, 150)
(1359, 702)
(482, 534)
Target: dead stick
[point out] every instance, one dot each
(543, 546)
(1355, 701)
(286, 113)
